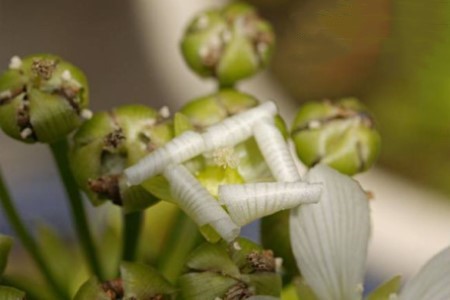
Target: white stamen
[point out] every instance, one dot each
(248, 202)
(275, 151)
(237, 246)
(15, 63)
(5, 95)
(164, 112)
(66, 75)
(202, 22)
(178, 150)
(86, 114)
(25, 133)
(198, 203)
(237, 128)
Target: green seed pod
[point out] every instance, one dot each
(228, 44)
(112, 141)
(228, 272)
(341, 135)
(42, 98)
(137, 281)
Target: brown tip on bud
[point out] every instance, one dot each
(114, 289)
(262, 261)
(44, 68)
(114, 139)
(107, 187)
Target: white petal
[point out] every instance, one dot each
(248, 202)
(198, 203)
(433, 280)
(275, 151)
(329, 239)
(237, 128)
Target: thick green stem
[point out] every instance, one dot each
(183, 238)
(27, 240)
(60, 150)
(132, 224)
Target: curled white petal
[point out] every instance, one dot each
(178, 150)
(248, 202)
(237, 128)
(198, 203)
(432, 282)
(275, 151)
(329, 239)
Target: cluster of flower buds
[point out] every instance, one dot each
(42, 98)
(229, 44)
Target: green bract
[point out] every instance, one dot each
(341, 135)
(228, 44)
(234, 272)
(111, 141)
(42, 98)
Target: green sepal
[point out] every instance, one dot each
(240, 251)
(304, 292)
(91, 290)
(213, 258)
(5, 247)
(8, 119)
(204, 285)
(264, 283)
(141, 281)
(159, 187)
(181, 124)
(137, 198)
(386, 289)
(9, 293)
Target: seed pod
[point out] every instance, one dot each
(228, 44)
(236, 271)
(42, 98)
(341, 135)
(108, 143)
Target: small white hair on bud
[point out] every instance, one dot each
(26, 132)
(275, 151)
(15, 63)
(5, 95)
(237, 128)
(178, 150)
(86, 114)
(198, 203)
(248, 202)
(164, 112)
(66, 75)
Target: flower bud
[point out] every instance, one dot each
(137, 281)
(341, 135)
(229, 44)
(42, 98)
(111, 141)
(236, 271)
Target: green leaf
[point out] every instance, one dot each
(304, 292)
(5, 247)
(141, 281)
(9, 293)
(91, 290)
(386, 289)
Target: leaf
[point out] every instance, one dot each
(386, 289)
(5, 247)
(8, 293)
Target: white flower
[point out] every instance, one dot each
(329, 241)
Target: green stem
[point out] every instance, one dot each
(60, 150)
(132, 224)
(27, 240)
(183, 238)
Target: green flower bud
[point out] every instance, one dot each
(341, 135)
(137, 281)
(228, 44)
(42, 98)
(5, 247)
(112, 141)
(228, 272)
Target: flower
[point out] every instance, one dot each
(330, 239)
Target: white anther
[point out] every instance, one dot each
(178, 150)
(248, 202)
(66, 75)
(275, 151)
(25, 133)
(15, 63)
(164, 112)
(198, 203)
(86, 114)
